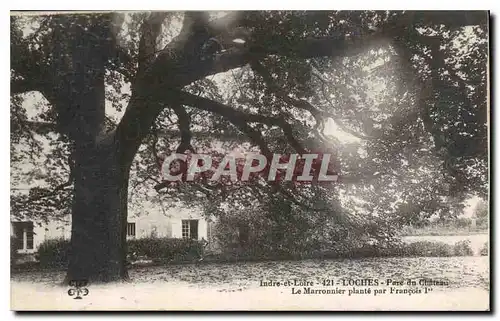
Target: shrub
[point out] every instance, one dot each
(54, 253)
(463, 248)
(426, 248)
(13, 250)
(482, 222)
(171, 249)
(463, 222)
(484, 250)
(433, 249)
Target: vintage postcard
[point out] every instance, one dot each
(250, 160)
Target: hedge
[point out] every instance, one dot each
(55, 252)
(170, 249)
(415, 249)
(434, 249)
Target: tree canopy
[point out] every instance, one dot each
(400, 99)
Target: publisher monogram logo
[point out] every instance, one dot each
(78, 289)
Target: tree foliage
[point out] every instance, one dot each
(399, 98)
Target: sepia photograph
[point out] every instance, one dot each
(321, 160)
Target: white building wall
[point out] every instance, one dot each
(56, 229)
(166, 223)
(176, 228)
(153, 222)
(203, 229)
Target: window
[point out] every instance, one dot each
(130, 229)
(23, 233)
(185, 229)
(190, 229)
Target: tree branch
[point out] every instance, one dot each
(150, 30)
(46, 127)
(27, 64)
(451, 19)
(20, 86)
(39, 127)
(184, 123)
(280, 93)
(240, 118)
(170, 71)
(44, 192)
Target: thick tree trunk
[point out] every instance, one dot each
(100, 175)
(99, 220)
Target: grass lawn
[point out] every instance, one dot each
(237, 286)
